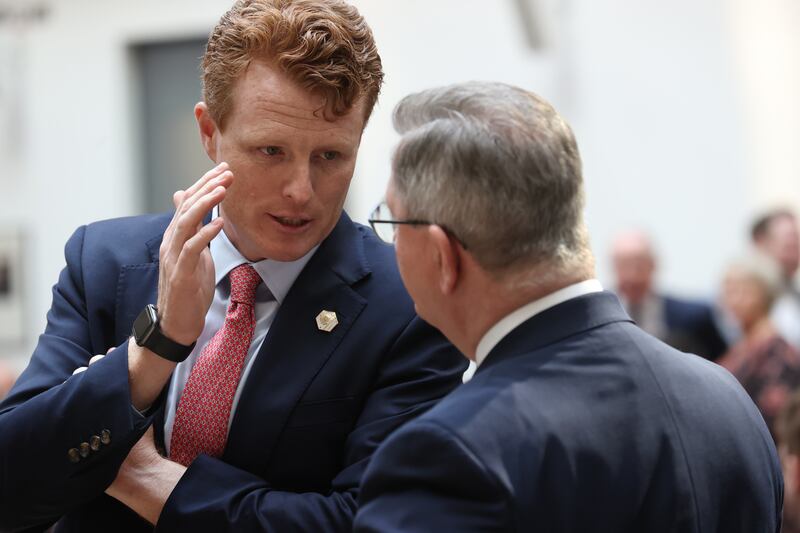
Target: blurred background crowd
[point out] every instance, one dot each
(687, 114)
(752, 328)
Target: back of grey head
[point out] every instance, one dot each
(500, 168)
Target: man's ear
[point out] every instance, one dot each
(208, 130)
(448, 258)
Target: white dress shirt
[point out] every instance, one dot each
(511, 321)
(278, 278)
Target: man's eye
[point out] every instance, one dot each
(271, 150)
(330, 155)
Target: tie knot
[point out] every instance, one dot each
(244, 282)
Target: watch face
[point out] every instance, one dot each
(144, 325)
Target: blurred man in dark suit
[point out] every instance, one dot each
(576, 419)
(686, 325)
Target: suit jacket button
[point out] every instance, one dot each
(74, 455)
(84, 449)
(94, 443)
(105, 436)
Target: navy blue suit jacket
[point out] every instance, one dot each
(314, 408)
(578, 421)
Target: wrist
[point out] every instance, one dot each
(175, 334)
(148, 332)
(148, 373)
(130, 478)
(145, 483)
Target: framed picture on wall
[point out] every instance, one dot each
(11, 287)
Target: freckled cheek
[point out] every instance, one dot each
(334, 188)
(240, 202)
(248, 186)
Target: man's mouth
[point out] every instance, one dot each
(291, 222)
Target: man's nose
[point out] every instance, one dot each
(298, 186)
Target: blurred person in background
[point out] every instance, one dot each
(764, 363)
(576, 420)
(7, 379)
(787, 430)
(283, 347)
(776, 235)
(686, 325)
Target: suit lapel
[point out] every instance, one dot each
(295, 349)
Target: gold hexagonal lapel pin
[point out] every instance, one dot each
(326, 321)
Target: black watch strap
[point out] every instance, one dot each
(147, 334)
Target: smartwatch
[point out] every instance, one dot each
(148, 334)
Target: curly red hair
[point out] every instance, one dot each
(324, 45)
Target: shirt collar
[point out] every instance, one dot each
(278, 276)
(510, 322)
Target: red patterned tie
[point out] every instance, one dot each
(201, 420)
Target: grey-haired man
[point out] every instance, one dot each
(576, 420)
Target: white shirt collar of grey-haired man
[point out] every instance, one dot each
(575, 420)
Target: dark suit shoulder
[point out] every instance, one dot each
(378, 253)
(134, 224)
(131, 239)
(426, 477)
(615, 362)
(566, 420)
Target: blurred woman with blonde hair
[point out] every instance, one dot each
(763, 362)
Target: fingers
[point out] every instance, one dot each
(93, 360)
(177, 198)
(193, 207)
(208, 176)
(201, 185)
(190, 254)
(185, 280)
(189, 199)
(190, 216)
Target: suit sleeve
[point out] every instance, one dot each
(50, 412)
(426, 478)
(421, 368)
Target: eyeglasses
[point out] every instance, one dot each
(384, 224)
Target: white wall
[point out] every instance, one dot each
(661, 133)
(426, 43)
(660, 94)
(767, 49)
(77, 150)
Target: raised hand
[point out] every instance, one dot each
(186, 270)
